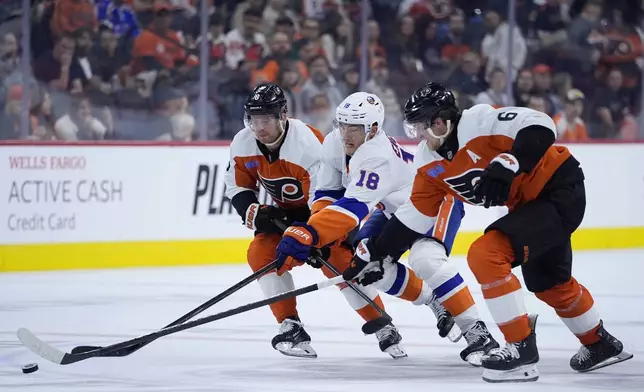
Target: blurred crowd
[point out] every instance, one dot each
(130, 69)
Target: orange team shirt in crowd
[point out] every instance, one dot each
(567, 131)
(70, 16)
(165, 49)
(483, 133)
(290, 179)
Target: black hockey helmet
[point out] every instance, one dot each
(266, 98)
(429, 102)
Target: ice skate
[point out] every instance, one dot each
(444, 321)
(607, 351)
(479, 343)
(389, 341)
(516, 362)
(293, 340)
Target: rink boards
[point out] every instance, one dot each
(116, 205)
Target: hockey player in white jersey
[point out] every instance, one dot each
(364, 171)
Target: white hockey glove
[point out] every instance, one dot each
(366, 265)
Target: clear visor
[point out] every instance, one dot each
(349, 131)
(261, 122)
(416, 130)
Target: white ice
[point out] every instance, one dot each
(68, 309)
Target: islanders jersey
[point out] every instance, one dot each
(288, 174)
(379, 175)
(483, 132)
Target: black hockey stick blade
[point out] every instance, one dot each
(201, 308)
(373, 326)
(46, 351)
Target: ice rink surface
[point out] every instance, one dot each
(68, 309)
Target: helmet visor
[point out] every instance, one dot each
(349, 131)
(261, 122)
(416, 130)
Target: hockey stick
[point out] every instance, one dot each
(46, 351)
(369, 327)
(129, 350)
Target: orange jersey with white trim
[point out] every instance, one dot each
(290, 178)
(483, 132)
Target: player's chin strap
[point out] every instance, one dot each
(441, 138)
(279, 138)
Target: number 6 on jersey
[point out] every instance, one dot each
(371, 178)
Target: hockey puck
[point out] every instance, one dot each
(30, 368)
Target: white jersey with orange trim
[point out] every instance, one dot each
(289, 175)
(483, 132)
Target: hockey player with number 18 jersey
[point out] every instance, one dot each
(363, 170)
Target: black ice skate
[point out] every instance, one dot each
(293, 340)
(479, 342)
(389, 341)
(607, 351)
(444, 321)
(516, 362)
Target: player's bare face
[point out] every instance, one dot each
(267, 128)
(353, 137)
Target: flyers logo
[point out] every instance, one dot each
(463, 184)
(284, 189)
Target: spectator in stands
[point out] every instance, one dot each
(379, 84)
(159, 48)
(10, 116)
(291, 79)
(320, 82)
(466, 79)
(406, 77)
(539, 103)
(403, 41)
(281, 51)
(240, 11)
(613, 108)
(542, 75)
(320, 113)
(118, 16)
(524, 87)
(339, 44)
(71, 15)
(58, 67)
(43, 119)
(350, 79)
(375, 50)
(495, 45)
(570, 126)
(79, 123)
(497, 94)
(285, 25)
(273, 11)
(456, 42)
(238, 40)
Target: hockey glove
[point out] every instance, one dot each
(295, 245)
(493, 188)
(259, 217)
(366, 266)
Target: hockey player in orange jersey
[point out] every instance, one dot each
(496, 157)
(363, 171)
(283, 155)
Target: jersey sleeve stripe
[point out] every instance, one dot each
(329, 194)
(352, 207)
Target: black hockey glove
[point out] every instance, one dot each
(494, 185)
(259, 217)
(366, 265)
(323, 253)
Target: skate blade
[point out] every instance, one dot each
(525, 373)
(455, 334)
(396, 351)
(475, 359)
(621, 357)
(301, 350)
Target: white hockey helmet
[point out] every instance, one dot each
(360, 109)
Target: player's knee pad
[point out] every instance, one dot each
(426, 258)
(561, 296)
(273, 284)
(490, 257)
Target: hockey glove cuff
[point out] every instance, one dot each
(493, 188)
(366, 265)
(259, 217)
